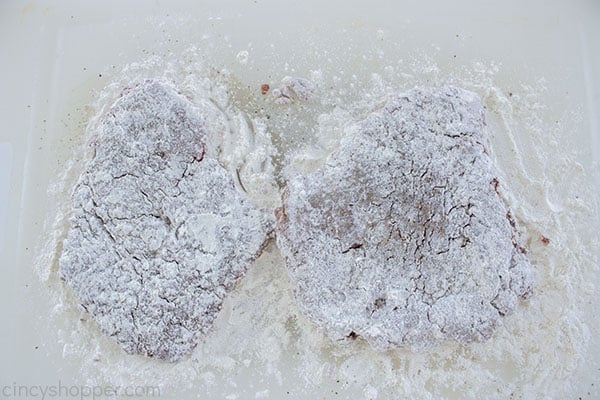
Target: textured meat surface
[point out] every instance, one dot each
(159, 234)
(400, 237)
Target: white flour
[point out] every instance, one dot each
(263, 347)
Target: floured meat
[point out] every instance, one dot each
(401, 237)
(159, 234)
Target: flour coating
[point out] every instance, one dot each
(401, 237)
(159, 234)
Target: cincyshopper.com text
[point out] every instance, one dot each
(81, 392)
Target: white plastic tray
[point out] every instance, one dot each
(55, 54)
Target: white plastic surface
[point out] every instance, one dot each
(55, 54)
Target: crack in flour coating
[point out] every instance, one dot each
(401, 237)
(159, 234)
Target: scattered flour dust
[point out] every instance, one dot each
(263, 347)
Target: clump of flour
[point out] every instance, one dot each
(293, 89)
